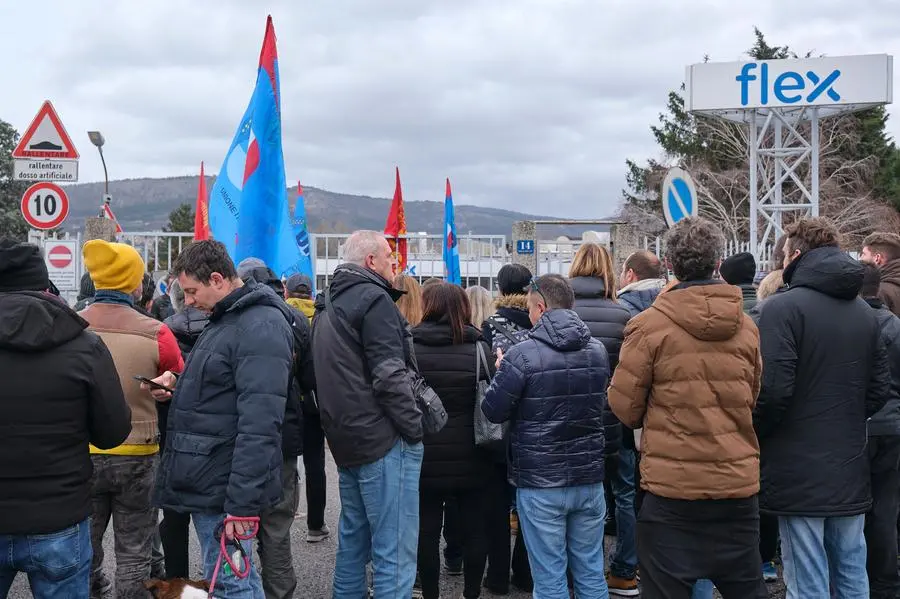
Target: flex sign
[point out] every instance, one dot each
(838, 82)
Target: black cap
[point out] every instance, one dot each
(739, 269)
(299, 284)
(22, 267)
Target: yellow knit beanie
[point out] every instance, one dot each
(115, 266)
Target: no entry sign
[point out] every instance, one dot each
(45, 206)
(61, 257)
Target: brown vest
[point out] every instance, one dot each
(132, 340)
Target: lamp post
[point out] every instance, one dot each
(97, 139)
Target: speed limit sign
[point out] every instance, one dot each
(45, 205)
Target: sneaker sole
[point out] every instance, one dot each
(625, 592)
(317, 539)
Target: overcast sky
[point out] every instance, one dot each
(530, 105)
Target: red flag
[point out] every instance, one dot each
(395, 227)
(108, 213)
(201, 214)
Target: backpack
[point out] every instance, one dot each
(509, 333)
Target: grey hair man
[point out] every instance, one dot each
(363, 357)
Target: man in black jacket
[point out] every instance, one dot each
(60, 393)
(223, 459)
(884, 457)
(275, 557)
(362, 351)
(825, 371)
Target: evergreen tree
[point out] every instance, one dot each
(12, 224)
(181, 220)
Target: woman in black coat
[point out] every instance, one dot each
(453, 468)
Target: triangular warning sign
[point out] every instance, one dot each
(108, 213)
(46, 138)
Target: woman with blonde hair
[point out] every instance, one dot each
(482, 304)
(593, 280)
(410, 305)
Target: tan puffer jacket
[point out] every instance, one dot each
(689, 372)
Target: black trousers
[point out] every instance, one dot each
(681, 541)
(174, 533)
(768, 537)
(314, 469)
(881, 534)
(453, 550)
(472, 504)
(498, 533)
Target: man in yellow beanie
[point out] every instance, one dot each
(124, 476)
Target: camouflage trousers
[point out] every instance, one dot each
(121, 489)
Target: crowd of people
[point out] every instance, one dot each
(716, 418)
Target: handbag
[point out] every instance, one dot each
(434, 416)
(487, 433)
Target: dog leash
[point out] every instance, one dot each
(237, 562)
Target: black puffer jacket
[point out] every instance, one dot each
(887, 420)
(187, 326)
(363, 375)
(606, 320)
(452, 461)
(825, 371)
(552, 389)
(60, 392)
(224, 448)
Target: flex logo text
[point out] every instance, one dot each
(790, 87)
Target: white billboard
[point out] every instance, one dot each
(836, 83)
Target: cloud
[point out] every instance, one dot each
(526, 104)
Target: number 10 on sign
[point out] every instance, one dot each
(45, 206)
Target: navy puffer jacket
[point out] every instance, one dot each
(606, 319)
(223, 452)
(552, 387)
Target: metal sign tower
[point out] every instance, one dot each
(782, 102)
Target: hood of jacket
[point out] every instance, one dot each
(588, 288)
(562, 330)
(188, 323)
(347, 276)
(514, 308)
(644, 285)
(708, 310)
(306, 306)
(34, 321)
(438, 333)
(827, 270)
(890, 272)
(251, 294)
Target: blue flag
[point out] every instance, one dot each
(248, 207)
(301, 237)
(451, 249)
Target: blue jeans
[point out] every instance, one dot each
(563, 530)
(824, 558)
(379, 521)
(703, 589)
(228, 586)
(625, 559)
(57, 564)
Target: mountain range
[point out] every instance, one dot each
(145, 204)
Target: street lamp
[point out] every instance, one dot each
(97, 139)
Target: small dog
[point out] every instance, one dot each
(178, 588)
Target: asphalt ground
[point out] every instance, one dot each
(314, 562)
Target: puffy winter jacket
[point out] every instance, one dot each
(223, 452)
(887, 420)
(606, 320)
(452, 461)
(60, 393)
(512, 311)
(690, 372)
(639, 296)
(363, 382)
(825, 372)
(552, 389)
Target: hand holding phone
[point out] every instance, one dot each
(162, 387)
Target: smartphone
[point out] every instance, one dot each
(153, 384)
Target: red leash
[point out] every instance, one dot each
(237, 560)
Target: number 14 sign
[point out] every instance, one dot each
(45, 206)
